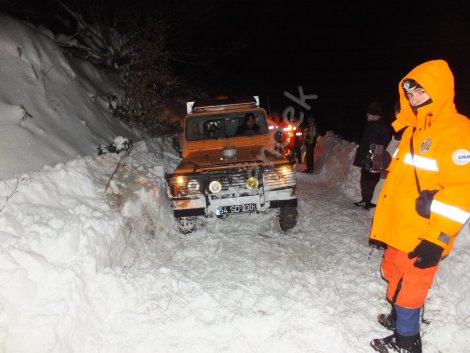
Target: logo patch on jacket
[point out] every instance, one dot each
(461, 157)
(425, 145)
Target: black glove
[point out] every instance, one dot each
(427, 254)
(423, 203)
(367, 162)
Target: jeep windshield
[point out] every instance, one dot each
(226, 125)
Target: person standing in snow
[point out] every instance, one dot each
(298, 141)
(425, 199)
(387, 157)
(377, 132)
(310, 140)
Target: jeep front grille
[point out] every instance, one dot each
(233, 181)
(231, 178)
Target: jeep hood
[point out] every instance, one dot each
(245, 154)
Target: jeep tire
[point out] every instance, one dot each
(186, 224)
(287, 217)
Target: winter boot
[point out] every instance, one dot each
(361, 203)
(387, 321)
(398, 343)
(368, 206)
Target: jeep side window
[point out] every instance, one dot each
(194, 130)
(263, 124)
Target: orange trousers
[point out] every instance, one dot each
(408, 285)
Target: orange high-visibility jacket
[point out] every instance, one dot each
(441, 141)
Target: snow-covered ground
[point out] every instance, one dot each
(90, 259)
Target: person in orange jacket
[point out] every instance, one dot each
(425, 200)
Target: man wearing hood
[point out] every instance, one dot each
(376, 133)
(425, 200)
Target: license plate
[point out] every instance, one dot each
(248, 207)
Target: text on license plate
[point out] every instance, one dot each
(249, 207)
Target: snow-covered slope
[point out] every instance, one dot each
(52, 108)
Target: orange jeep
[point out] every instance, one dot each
(229, 165)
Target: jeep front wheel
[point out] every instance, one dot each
(186, 224)
(288, 217)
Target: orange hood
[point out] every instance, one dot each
(437, 79)
(213, 158)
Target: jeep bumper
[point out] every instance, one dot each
(199, 207)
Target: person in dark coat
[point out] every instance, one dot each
(310, 140)
(377, 132)
(249, 126)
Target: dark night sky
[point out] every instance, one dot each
(348, 52)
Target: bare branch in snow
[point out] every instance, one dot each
(26, 114)
(118, 165)
(19, 181)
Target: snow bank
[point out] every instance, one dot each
(334, 164)
(60, 232)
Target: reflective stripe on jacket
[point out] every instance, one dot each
(441, 141)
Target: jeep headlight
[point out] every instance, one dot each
(252, 183)
(179, 185)
(285, 170)
(180, 181)
(193, 186)
(182, 186)
(215, 186)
